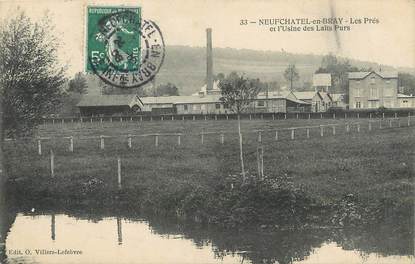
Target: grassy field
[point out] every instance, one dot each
(370, 165)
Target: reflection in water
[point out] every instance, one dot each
(119, 229)
(167, 241)
(52, 227)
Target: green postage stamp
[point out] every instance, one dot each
(122, 49)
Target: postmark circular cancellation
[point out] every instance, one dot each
(128, 51)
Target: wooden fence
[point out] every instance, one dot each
(205, 117)
(323, 130)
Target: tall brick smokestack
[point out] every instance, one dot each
(209, 60)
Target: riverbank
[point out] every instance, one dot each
(342, 180)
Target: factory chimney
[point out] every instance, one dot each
(209, 60)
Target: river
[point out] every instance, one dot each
(93, 238)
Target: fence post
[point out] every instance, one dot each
(194, 118)
(102, 142)
(250, 117)
(131, 119)
(276, 134)
(321, 130)
(63, 121)
(345, 115)
(262, 116)
(321, 116)
(216, 117)
(370, 115)
(162, 118)
(370, 126)
(358, 127)
(110, 119)
(39, 146)
(334, 130)
(119, 173)
(308, 132)
(273, 116)
(141, 118)
(222, 138)
(396, 115)
(380, 124)
(347, 128)
(390, 122)
(178, 140)
(130, 142)
(334, 115)
(309, 116)
(71, 144)
(297, 116)
(399, 122)
(201, 138)
(172, 117)
(259, 136)
(100, 120)
(52, 164)
(90, 121)
(383, 115)
(260, 161)
(285, 115)
(358, 115)
(292, 133)
(53, 121)
(156, 140)
(151, 118)
(409, 119)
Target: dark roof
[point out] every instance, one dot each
(107, 100)
(362, 75)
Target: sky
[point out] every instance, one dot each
(391, 41)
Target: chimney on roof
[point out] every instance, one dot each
(209, 60)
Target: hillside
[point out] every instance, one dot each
(186, 66)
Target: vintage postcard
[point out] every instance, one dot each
(194, 132)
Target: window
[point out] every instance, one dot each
(405, 101)
(388, 81)
(217, 106)
(372, 80)
(357, 104)
(185, 107)
(373, 92)
(225, 106)
(260, 103)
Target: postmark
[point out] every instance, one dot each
(124, 50)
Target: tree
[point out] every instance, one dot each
(407, 82)
(30, 78)
(78, 84)
(168, 89)
(291, 75)
(237, 94)
(339, 69)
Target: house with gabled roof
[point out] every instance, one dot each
(373, 89)
(320, 101)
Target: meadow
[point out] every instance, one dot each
(304, 176)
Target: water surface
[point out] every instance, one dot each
(44, 239)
